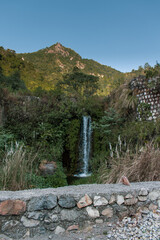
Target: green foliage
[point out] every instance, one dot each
(98, 160)
(79, 83)
(5, 140)
(140, 132)
(87, 180)
(50, 181)
(72, 144)
(152, 71)
(107, 128)
(144, 111)
(15, 73)
(51, 63)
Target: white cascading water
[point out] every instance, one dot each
(85, 147)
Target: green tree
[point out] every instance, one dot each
(78, 83)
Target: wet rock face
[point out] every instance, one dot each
(61, 210)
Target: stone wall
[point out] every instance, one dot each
(44, 211)
(147, 92)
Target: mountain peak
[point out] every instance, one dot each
(58, 49)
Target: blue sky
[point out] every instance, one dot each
(123, 34)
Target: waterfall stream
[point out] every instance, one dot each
(85, 147)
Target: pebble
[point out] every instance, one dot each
(147, 227)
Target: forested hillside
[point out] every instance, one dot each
(47, 67)
(17, 73)
(55, 61)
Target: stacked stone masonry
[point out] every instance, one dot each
(47, 211)
(148, 92)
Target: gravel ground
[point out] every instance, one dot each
(145, 226)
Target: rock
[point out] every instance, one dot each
(47, 168)
(12, 207)
(158, 203)
(4, 237)
(9, 225)
(112, 199)
(50, 226)
(120, 199)
(67, 202)
(73, 228)
(144, 210)
(53, 217)
(143, 192)
(142, 198)
(87, 229)
(125, 181)
(84, 201)
(80, 65)
(69, 215)
(14, 229)
(153, 207)
(154, 195)
(92, 212)
(156, 217)
(36, 215)
(100, 201)
(27, 234)
(44, 202)
(131, 201)
(99, 221)
(29, 222)
(108, 212)
(128, 196)
(59, 230)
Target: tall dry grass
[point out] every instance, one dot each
(143, 165)
(17, 163)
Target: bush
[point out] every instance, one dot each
(53, 181)
(143, 165)
(16, 164)
(5, 139)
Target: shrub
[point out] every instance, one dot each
(58, 179)
(143, 165)
(5, 139)
(15, 166)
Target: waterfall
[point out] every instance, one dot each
(85, 147)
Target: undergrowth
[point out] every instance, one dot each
(142, 164)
